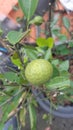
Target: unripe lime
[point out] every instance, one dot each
(38, 20)
(38, 71)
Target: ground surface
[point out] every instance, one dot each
(58, 123)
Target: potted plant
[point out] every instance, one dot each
(40, 76)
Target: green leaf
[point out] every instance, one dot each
(55, 31)
(54, 21)
(40, 50)
(66, 22)
(62, 49)
(71, 83)
(15, 36)
(1, 31)
(50, 42)
(22, 79)
(10, 127)
(32, 114)
(16, 61)
(31, 53)
(11, 76)
(48, 54)
(10, 90)
(1, 125)
(66, 51)
(64, 66)
(15, 58)
(71, 43)
(65, 73)
(22, 116)
(55, 71)
(58, 83)
(9, 107)
(55, 62)
(28, 7)
(62, 38)
(1, 76)
(41, 42)
(3, 99)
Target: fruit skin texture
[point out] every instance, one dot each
(38, 71)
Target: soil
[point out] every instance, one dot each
(57, 123)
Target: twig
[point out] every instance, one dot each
(49, 20)
(18, 52)
(4, 44)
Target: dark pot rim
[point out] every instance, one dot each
(60, 111)
(11, 123)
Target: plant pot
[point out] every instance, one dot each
(60, 111)
(12, 123)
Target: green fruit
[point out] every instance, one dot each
(38, 20)
(38, 71)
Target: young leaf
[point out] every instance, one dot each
(28, 7)
(16, 61)
(50, 42)
(41, 42)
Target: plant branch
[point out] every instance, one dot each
(18, 52)
(9, 100)
(49, 20)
